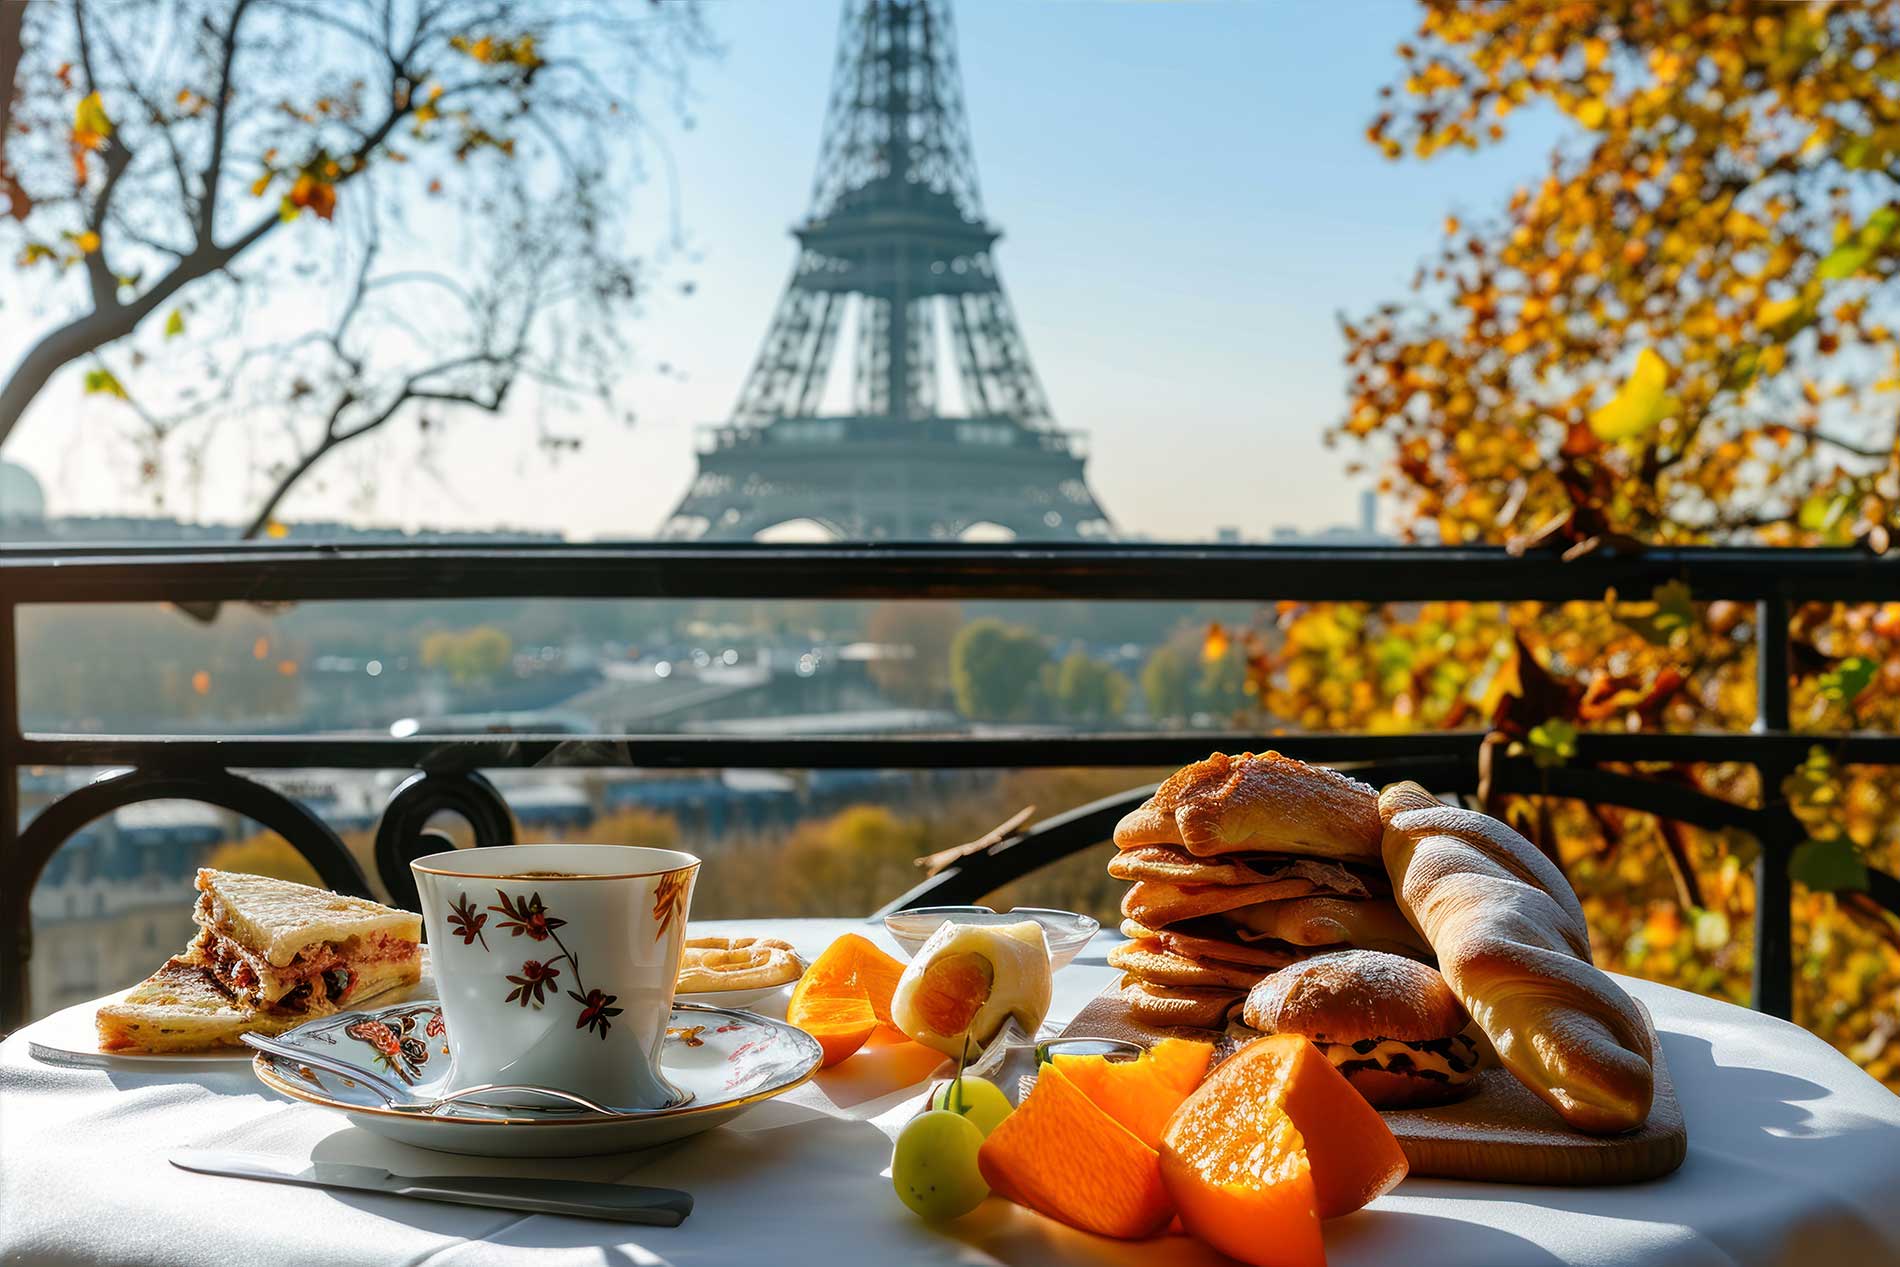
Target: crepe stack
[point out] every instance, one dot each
(1240, 866)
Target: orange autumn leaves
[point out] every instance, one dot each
(1677, 329)
(1250, 1158)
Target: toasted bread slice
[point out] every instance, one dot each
(271, 943)
(182, 1008)
(280, 920)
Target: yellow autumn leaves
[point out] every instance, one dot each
(91, 128)
(1640, 405)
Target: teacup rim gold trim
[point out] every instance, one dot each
(525, 878)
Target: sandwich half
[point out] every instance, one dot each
(292, 949)
(182, 1008)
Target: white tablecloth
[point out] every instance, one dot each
(1794, 1157)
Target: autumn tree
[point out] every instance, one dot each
(470, 657)
(336, 216)
(1681, 332)
(1165, 682)
(996, 669)
(1085, 689)
(916, 640)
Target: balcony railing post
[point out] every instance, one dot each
(16, 942)
(1774, 891)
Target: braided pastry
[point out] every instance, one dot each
(711, 964)
(1512, 943)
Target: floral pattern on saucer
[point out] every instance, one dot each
(722, 1057)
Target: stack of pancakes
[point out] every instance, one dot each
(1242, 865)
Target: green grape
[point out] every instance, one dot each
(934, 1167)
(980, 1101)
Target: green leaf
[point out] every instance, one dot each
(1642, 402)
(1675, 606)
(103, 382)
(1821, 512)
(175, 324)
(1856, 252)
(1552, 743)
(1675, 613)
(1812, 784)
(1846, 680)
(1741, 371)
(1828, 866)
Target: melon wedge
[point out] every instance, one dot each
(1063, 1156)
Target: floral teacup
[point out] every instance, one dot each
(556, 965)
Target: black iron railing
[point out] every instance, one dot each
(447, 772)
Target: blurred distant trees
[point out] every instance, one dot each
(1164, 684)
(996, 670)
(470, 657)
(1683, 331)
(333, 216)
(1085, 689)
(266, 853)
(137, 666)
(921, 678)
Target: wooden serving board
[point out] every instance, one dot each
(1501, 1132)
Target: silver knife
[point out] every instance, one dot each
(624, 1203)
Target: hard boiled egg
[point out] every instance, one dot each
(967, 979)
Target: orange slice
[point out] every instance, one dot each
(1063, 1156)
(1180, 1062)
(1353, 1155)
(1241, 1180)
(1139, 1093)
(853, 966)
(841, 1025)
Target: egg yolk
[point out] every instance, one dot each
(952, 990)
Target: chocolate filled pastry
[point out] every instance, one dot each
(1389, 1024)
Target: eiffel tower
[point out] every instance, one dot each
(896, 263)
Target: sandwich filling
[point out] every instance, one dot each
(1452, 1060)
(323, 975)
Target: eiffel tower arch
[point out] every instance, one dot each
(895, 301)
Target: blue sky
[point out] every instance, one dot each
(1187, 202)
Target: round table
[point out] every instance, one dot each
(1794, 1156)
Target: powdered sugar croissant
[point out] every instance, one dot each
(1511, 941)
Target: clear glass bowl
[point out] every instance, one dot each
(1065, 931)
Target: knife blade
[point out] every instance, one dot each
(624, 1203)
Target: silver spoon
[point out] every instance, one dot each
(400, 1098)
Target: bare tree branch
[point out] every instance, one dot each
(12, 45)
(220, 128)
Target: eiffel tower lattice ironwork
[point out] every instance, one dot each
(895, 262)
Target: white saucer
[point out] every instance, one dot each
(726, 1059)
